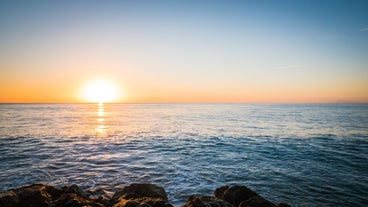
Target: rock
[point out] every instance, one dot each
(74, 196)
(9, 199)
(205, 201)
(125, 203)
(74, 200)
(54, 192)
(101, 199)
(141, 202)
(256, 202)
(220, 192)
(134, 195)
(282, 205)
(33, 196)
(236, 194)
(138, 190)
(140, 195)
(76, 190)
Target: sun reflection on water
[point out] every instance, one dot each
(101, 127)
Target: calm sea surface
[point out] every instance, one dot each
(305, 155)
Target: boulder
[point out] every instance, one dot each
(141, 202)
(9, 199)
(74, 200)
(220, 192)
(54, 192)
(101, 199)
(33, 196)
(74, 196)
(205, 201)
(256, 202)
(141, 190)
(75, 190)
(136, 194)
(282, 205)
(235, 194)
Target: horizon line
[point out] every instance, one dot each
(337, 102)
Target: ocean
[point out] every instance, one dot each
(301, 154)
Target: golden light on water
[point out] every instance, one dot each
(101, 128)
(100, 91)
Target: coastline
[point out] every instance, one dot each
(133, 195)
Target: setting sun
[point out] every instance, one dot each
(100, 91)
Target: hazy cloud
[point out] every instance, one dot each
(365, 29)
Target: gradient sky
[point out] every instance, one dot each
(186, 51)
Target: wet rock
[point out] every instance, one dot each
(9, 199)
(74, 196)
(102, 200)
(75, 190)
(141, 202)
(141, 190)
(282, 205)
(256, 202)
(236, 194)
(74, 200)
(145, 195)
(54, 192)
(220, 192)
(205, 201)
(134, 195)
(33, 196)
(125, 203)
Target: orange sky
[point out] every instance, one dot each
(228, 52)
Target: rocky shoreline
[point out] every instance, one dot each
(133, 195)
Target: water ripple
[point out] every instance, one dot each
(305, 155)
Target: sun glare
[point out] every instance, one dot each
(100, 91)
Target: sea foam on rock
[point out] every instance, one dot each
(134, 195)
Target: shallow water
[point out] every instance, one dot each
(304, 155)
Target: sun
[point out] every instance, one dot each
(100, 91)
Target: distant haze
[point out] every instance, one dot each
(186, 51)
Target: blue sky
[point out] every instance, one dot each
(240, 50)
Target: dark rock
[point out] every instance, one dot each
(144, 195)
(74, 200)
(236, 194)
(9, 199)
(101, 199)
(206, 201)
(256, 202)
(220, 192)
(282, 205)
(138, 190)
(54, 192)
(141, 202)
(33, 196)
(76, 190)
(125, 203)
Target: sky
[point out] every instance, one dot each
(297, 51)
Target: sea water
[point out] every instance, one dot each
(304, 155)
